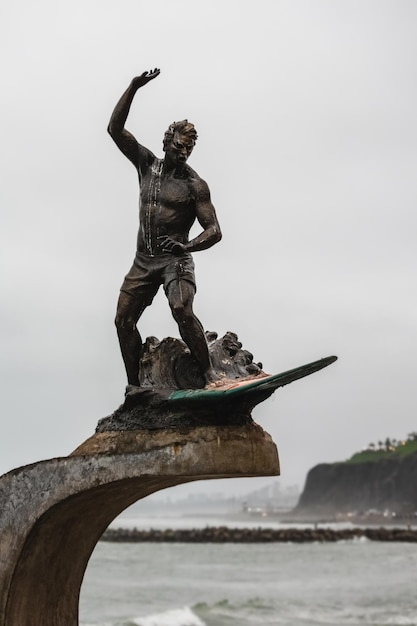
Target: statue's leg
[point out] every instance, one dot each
(129, 310)
(180, 294)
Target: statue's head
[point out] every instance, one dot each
(179, 141)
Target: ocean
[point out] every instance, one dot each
(351, 583)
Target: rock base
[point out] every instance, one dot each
(167, 366)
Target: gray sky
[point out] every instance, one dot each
(306, 114)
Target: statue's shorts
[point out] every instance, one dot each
(149, 272)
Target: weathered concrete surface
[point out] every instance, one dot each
(52, 513)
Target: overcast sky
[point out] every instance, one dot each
(306, 114)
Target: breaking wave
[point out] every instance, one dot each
(175, 617)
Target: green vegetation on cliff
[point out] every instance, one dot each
(390, 449)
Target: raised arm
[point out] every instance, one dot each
(135, 152)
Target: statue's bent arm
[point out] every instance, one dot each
(206, 215)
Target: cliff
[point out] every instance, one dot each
(389, 483)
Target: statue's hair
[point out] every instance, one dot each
(184, 128)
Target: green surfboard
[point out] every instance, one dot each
(239, 389)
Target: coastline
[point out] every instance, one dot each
(224, 534)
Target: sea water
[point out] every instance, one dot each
(349, 583)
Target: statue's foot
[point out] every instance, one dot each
(213, 378)
(131, 389)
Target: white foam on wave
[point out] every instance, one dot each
(353, 540)
(174, 617)
(95, 624)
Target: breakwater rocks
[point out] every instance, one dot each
(223, 534)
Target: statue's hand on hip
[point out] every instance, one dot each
(170, 245)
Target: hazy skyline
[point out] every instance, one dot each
(305, 112)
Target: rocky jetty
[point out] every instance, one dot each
(223, 534)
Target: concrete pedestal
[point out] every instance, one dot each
(52, 513)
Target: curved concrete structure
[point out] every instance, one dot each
(52, 513)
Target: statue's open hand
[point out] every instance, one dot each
(168, 244)
(144, 78)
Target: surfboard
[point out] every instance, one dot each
(238, 389)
